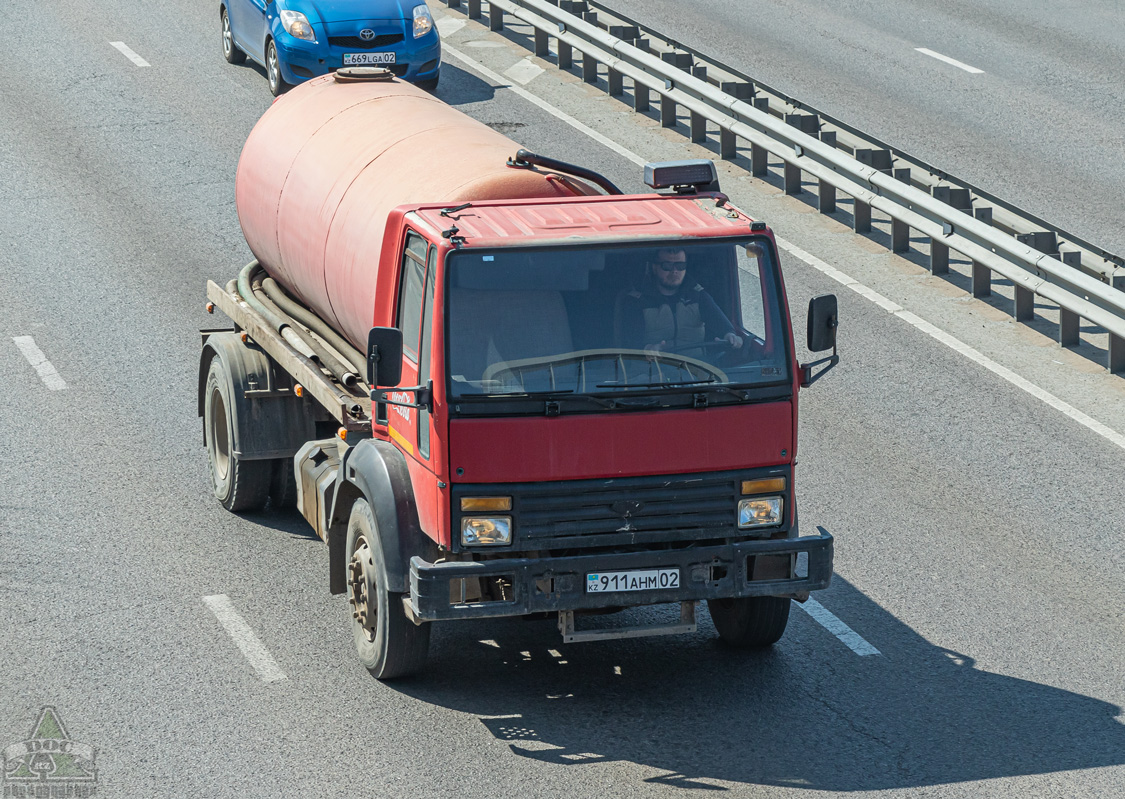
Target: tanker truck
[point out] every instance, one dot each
(497, 386)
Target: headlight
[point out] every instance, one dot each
(297, 24)
(423, 22)
(762, 512)
(492, 531)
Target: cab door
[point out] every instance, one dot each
(410, 428)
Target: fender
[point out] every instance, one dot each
(376, 470)
(269, 423)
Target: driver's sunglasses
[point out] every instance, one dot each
(665, 266)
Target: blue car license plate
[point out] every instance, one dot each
(368, 59)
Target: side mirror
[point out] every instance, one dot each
(824, 318)
(384, 356)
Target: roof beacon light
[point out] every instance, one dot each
(686, 177)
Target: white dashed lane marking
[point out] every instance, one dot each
(254, 650)
(128, 53)
(949, 60)
(829, 621)
(47, 372)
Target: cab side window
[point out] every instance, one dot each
(410, 294)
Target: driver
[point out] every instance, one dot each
(669, 313)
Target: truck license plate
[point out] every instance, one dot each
(361, 59)
(647, 580)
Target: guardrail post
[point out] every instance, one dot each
(982, 275)
(698, 121)
(1069, 322)
(474, 9)
(640, 97)
(759, 158)
(542, 43)
(616, 82)
(453, 3)
(589, 68)
(900, 231)
(861, 213)
(806, 123)
(939, 251)
(495, 17)
(728, 142)
(1116, 354)
(667, 106)
(1044, 241)
(826, 192)
(667, 112)
(566, 55)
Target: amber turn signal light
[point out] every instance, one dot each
(486, 503)
(768, 485)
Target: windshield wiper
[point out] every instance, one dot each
(555, 394)
(662, 384)
(679, 385)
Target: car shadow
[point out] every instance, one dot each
(461, 87)
(806, 713)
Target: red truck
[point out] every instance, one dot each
(495, 385)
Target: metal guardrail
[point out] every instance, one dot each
(1039, 259)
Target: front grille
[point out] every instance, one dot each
(356, 43)
(620, 511)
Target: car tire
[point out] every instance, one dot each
(429, 85)
(750, 622)
(278, 86)
(230, 50)
(389, 644)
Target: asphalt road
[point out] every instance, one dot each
(977, 527)
(1039, 126)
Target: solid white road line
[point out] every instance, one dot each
(949, 60)
(244, 637)
(829, 621)
(128, 53)
(47, 373)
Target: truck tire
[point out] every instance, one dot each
(388, 643)
(239, 485)
(750, 622)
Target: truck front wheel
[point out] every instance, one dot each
(388, 643)
(750, 622)
(240, 485)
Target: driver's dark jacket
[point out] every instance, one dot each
(690, 316)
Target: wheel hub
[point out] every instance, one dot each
(361, 583)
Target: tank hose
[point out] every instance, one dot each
(321, 353)
(298, 338)
(314, 323)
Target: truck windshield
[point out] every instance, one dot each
(603, 320)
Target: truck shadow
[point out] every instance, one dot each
(460, 87)
(808, 713)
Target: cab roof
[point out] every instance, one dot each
(504, 223)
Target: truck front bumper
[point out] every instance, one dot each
(559, 584)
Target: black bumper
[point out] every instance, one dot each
(553, 584)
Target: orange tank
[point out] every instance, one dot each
(328, 161)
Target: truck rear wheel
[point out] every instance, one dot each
(750, 622)
(388, 643)
(240, 485)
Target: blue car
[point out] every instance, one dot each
(299, 39)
